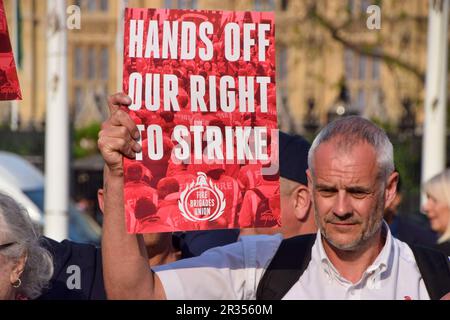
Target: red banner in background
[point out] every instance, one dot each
(9, 82)
(202, 85)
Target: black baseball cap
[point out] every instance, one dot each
(293, 157)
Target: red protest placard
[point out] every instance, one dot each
(9, 83)
(202, 85)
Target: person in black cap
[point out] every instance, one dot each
(294, 195)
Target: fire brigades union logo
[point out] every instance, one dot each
(201, 200)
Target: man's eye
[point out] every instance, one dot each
(327, 193)
(359, 195)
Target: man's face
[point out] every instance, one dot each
(347, 196)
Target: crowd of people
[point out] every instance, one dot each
(339, 235)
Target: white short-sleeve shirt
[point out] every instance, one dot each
(230, 272)
(234, 271)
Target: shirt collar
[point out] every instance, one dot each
(379, 265)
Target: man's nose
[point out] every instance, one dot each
(342, 205)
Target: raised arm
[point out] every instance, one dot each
(126, 272)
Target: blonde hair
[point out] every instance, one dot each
(439, 188)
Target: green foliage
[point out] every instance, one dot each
(386, 126)
(85, 140)
(407, 156)
(91, 131)
(378, 2)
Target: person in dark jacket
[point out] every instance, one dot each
(412, 228)
(78, 271)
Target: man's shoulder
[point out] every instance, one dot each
(410, 253)
(260, 249)
(444, 247)
(434, 268)
(252, 251)
(404, 252)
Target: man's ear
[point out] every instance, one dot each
(391, 189)
(100, 200)
(18, 269)
(302, 202)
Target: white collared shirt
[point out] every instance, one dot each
(234, 271)
(393, 275)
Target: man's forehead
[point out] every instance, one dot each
(337, 149)
(356, 164)
(341, 179)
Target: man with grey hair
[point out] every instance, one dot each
(353, 255)
(351, 178)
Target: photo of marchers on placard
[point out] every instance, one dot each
(202, 85)
(9, 83)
